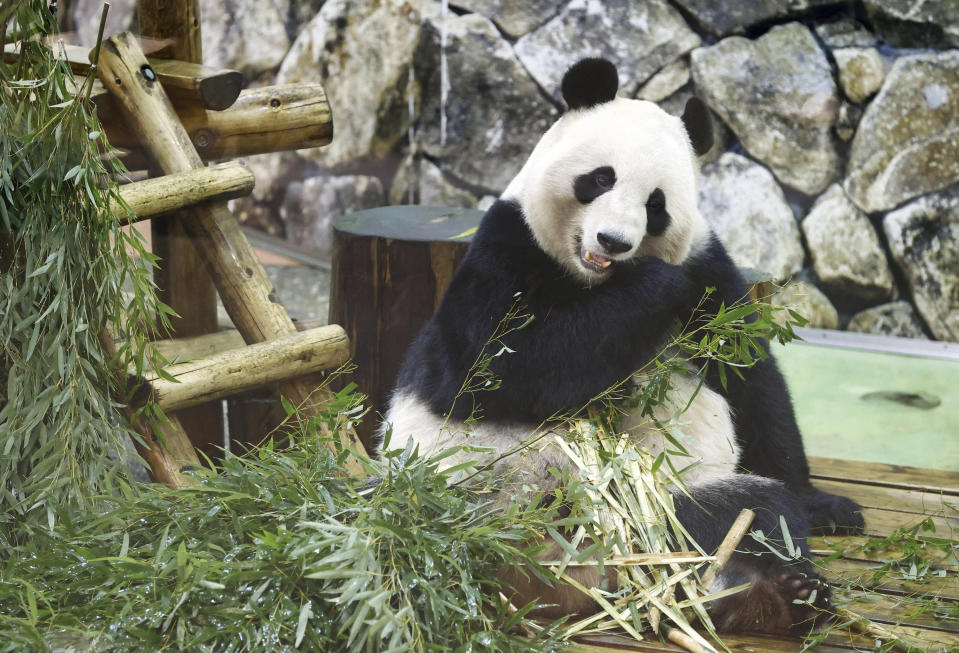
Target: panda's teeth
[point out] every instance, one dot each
(601, 261)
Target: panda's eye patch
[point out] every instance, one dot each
(657, 218)
(588, 187)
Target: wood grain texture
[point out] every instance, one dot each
(398, 262)
(262, 120)
(181, 280)
(154, 197)
(225, 373)
(186, 82)
(246, 291)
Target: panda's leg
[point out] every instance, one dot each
(785, 595)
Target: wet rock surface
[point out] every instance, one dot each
(915, 23)
(923, 237)
(747, 210)
(778, 95)
(492, 114)
(722, 18)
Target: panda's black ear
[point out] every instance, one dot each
(698, 125)
(589, 82)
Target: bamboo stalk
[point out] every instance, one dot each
(230, 372)
(246, 291)
(264, 119)
(153, 197)
(728, 546)
(186, 83)
(167, 450)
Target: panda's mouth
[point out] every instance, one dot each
(593, 261)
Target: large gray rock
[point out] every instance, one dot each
(748, 211)
(722, 18)
(907, 143)
(514, 18)
(312, 205)
(845, 250)
(640, 38)
(923, 237)
(360, 50)
(892, 319)
(249, 35)
(493, 112)
(778, 95)
(916, 23)
(860, 72)
(807, 300)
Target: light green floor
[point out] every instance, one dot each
(828, 385)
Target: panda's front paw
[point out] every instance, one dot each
(830, 514)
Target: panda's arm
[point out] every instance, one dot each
(583, 341)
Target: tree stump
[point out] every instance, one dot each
(391, 266)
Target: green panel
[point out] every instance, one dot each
(847, 407)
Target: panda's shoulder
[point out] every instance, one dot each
(504, 245)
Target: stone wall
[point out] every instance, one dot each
(837, 160)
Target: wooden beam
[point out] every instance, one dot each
(181, 278)
(152, 197)
(183, 350)
(165, 448)
(237, 370)
(246, 291)
(262, 120)
(186, 83)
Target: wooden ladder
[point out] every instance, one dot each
(137, 114)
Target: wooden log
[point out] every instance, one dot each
(181, 279)
(182, 350)
(237, 370)
(390, 268)
(246, 291)
(165, 448)
(262, 120)
(152, 197)
(187, 84)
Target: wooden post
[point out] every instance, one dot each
(246, 291)
(252, 366)
(264, 119)
(160, 195)
(398, 260)
(166, 449)
(181, 280)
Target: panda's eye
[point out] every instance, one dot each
(656, 201)
(588, 187)
(657, 218)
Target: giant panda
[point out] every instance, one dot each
(600, 240)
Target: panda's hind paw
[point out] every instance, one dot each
(831, 514)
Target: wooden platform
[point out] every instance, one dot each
(923, 612)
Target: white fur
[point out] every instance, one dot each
(647, 148)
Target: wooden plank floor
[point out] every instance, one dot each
(922, 613)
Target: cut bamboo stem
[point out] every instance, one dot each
(152, 197)
(230, 372)
(262, 120)
(186, 83)
(165, 448)
(246, 291)
(728, 546)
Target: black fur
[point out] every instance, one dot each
(625, 321)
(698, 125)
(657, 217)
(590, 82)
(591, 185)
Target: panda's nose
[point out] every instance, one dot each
(613, 243)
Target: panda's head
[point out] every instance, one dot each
(613, 178)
